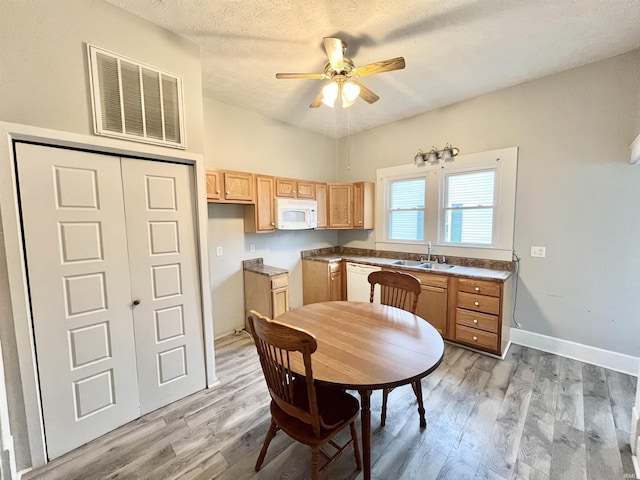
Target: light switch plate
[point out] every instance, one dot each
(218, 251)
(538, 251)
(252, 247)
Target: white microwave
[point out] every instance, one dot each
(292, 214)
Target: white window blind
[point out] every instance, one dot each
(406, 209)
(135, 101)
(469, 209)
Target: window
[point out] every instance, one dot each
(463, 208)
(468, 210)
(406, 209)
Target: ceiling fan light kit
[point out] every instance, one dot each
(434, 155)
(341, 71)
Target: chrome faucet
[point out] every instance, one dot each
(428, 251)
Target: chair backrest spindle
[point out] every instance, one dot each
(396, 289)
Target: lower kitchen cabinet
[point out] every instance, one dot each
(432, 302)
(479, 313)
(322, 281)
(266, 294)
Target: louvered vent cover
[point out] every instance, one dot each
(135, 101)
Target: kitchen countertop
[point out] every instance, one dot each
(457, 271)
(256, 265)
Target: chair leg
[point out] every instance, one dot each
(315, 463)
(383, 415)
(356, 445)
(417, 387)
(273, 429)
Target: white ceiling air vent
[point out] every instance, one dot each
(135, 101)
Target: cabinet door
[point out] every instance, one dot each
(335, 286)
(238, 186)
(285, 187)
(280, 301)
(214, 191)
(432, 306)
(321, 198)
(306, 190)
(363, 200)
(340, 205)
(265, 214)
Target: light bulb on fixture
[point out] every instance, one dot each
(419, 159)
(434, 155)
(330, 94)
(350, 92)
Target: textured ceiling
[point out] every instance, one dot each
(454, 49)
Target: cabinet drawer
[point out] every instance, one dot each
(479, 303)
(480, 287)
(335, 267)
(477, 320)
(477, 338)
(279, 281)
(430, 279)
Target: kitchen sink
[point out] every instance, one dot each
(435, 266)
(408, 263)
(422, 264)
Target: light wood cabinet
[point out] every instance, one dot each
(322, 281)
(479, 312)
(225, 186)
(363, 201)
(260, 217)
(266, 294)
(291, 188)
(340, 205)
(321, 199)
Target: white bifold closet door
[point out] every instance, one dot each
(114, 288)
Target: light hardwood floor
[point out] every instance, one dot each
(532, 416)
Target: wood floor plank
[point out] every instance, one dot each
(537, 437)
(569, 460)
(476, 406)
(570, 405)
(603, 454)
(622, 390)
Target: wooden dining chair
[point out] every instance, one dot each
(308, 413)
(400, 290)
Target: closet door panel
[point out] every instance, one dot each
(78, 272)
(166, 283)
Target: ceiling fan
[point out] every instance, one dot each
(341, 72)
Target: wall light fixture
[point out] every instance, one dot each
(434, 155)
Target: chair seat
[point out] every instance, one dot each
(335, 407)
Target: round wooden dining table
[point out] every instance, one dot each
(366, 347)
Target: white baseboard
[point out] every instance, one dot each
(619, 362)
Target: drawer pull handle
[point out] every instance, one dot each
(475, 321)
(477, 289)
(477, 304)
(475, 339)
(228, 192)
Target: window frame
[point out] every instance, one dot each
(387, 213)
(505, 162)
(442, 207)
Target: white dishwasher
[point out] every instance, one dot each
(358, 287)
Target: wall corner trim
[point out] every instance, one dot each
(619, 362)
(635, 151)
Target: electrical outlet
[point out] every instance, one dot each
(252, 247)
(538, 251)
(218, 251)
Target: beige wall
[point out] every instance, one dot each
(44, 83)
(44, 74)
(576, 192)
(237, 139)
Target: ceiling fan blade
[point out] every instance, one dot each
(335, 52)
(379, 67)
(317, 101)
(366, 94)
(314, 76)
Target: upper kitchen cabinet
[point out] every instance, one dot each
(291, 188)
(340, 205)
(351, 205)
(260, 217)
(322, 200)
(224, 186)
(363, 200)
